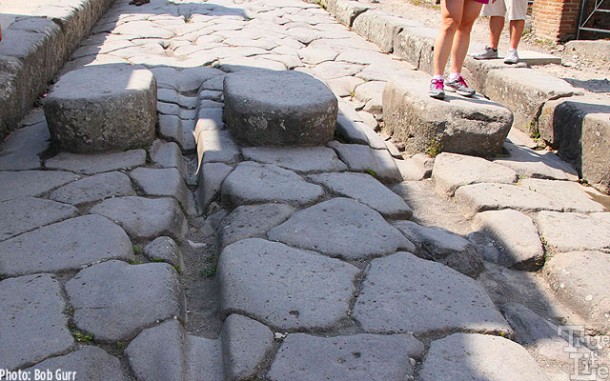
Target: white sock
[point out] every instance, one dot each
(438, 76)
(453, 76)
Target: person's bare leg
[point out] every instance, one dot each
(516, 31)
(461, 40)
(451, 16)
(496, 24)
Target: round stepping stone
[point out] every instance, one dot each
(275, 108)
(106, 107)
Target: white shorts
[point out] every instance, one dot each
(513, 9)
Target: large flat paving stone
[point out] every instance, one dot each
(31, 183)
(466, 357)
(536, 164)
(473, 126)
(574, 231)
(367, 190)
(25, 214)
(94, 188)
(252, 183)
(145, 218)
(342, 228)
(452, 171)
(363, 357)
(299, 159)
(360, 158)
(571, 195)
(32, 320)
(403, 293)
(90, 164)
(253, 221)
(284, 287)
(103, 308)
(264, 107)
(580, 279)
(87, 363)
(66, 245)
(103, 107)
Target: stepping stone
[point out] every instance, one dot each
(403, 293)
(96, 163)
(94, 188)
(253, 221)
(252, 183)
(475, 71)
(103, 308)
(32, 320)
(66, 245)
(25, 214)
(299, 159)
(474, 126)
(101, 108)
(574, 231)
(279, 108)
(284, 287)
(343, 228)
(497, 359)
(31, 183)
(362, 357)
(580, 279)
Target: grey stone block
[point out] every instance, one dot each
(178, 130)
(284, 287)
(402, 293)
(416, 45)
(362, 357)
(574, 197)
(66, 245)
(253, 221)
(378, 163)
(261, 183)
(31, 183)
(145, 218)
(119, 114)
(203, 359)
(168, 155)
(217, 146)
(537, 164)
(103, 308)
(91, 164)
(574, 231)
(245, 345)
(351, 131)
(524, 92)
(342, 228)
(32, 320)
(365, 189)
(475, 71)
(28, 213)
(452, 171)
(380, 28)
(416, 167)
(299, 159)
(474, 126)
(165, 249)
(346, 11)
(211, 178)
(22, 148)
(166, 182)
(94, 188)
(498, 359)
(293, 109)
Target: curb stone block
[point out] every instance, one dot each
(380, 28)
(415, 44)
(475, 71)
(346, 11)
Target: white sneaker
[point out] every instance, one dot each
(512, 57)
(487, 54)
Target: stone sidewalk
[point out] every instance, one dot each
(340, 262)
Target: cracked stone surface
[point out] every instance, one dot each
(90, 164)
(284, 287)
(253, 221)
(402, 293)
(32, 320)
(343, 228)
(66, 245)
(103, 308)
(31, 183)
(299, 159)
(94, 188)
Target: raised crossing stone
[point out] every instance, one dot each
(284, 287)
(104, 107)
(167, 182)
(92, 164)
(279, 108)
(452, 171)
(443, 246)
(261, 183)
(498, 359)
(211, 178)
(165, 249)
(359, 158)
(362, 357)
(66, 245)
(32, 320)
(574, 231)
(473, 126)
(253, 221)
(25, 214)
(579, 279)
(104, 309)
(22, 148)
(145, 218)
(94, 188)
(402, 293)
(536, 164)
(245, 345)
(299, 159)
(521, 247)
(31, 183)
(365, 189)
(343, 228)
(571, 195)
(87, 363)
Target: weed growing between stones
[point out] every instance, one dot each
(82, 337)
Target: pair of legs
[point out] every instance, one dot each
(496, 24)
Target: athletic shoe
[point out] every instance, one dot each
(512, 57)
(487, 54)
(437, 89)
(460, 86)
